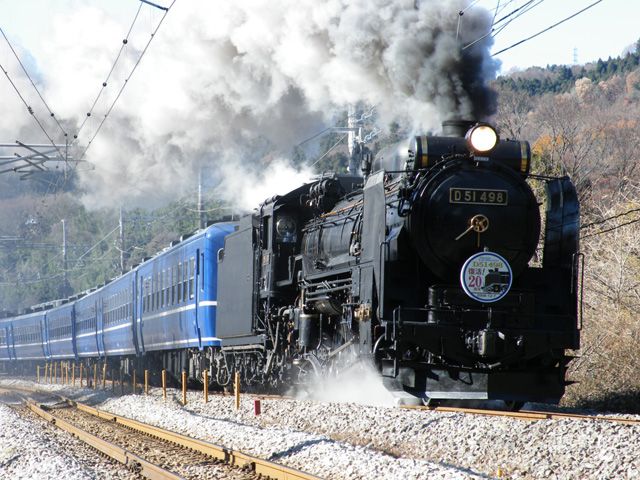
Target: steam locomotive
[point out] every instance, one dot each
(431, 264)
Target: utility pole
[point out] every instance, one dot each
(65, 281)
(122, 250)
(201, 216)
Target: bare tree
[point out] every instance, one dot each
(513, 116)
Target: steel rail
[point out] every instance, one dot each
(528, 415)
(256, 465)
(130, 460)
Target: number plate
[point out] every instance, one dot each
(476, 196)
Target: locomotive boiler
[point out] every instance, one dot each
(435, 265)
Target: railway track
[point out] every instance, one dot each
(147, 450)
(527, 415)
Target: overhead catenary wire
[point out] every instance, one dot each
(607, 230)
(62, 271)
(15, 54)
(608, 219)
(365, 115)
(530, 5)
(522, 9)
(547, 29)
(126, 81)
(329, 150)
(30, 109)
(519, 12)
(124, 44)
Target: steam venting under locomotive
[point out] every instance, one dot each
(435, 265)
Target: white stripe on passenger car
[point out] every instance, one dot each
(119, 350)
(191, 306)
(82, 335)
(190, 340)
(169, 312)
(210, 339)
(113, 329)
(58, 340)
(39, 344)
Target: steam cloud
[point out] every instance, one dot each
(360, 384)
(227, 84)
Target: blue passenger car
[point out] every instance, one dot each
(28, 336)
(208, 300)
(115, 316)
(177, 293)
(60, 322)
(166, 304)
(87, 344)
(6, 342)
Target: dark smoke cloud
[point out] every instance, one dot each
(227, 83)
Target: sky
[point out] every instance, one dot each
(604, 30)
(228, 83)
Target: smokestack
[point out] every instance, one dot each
(456, 127)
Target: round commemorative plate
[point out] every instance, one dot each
(486, 277)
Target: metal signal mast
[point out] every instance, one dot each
(26, 159)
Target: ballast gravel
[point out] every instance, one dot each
(349, 441)
(30, 449)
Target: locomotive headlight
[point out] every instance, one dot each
(482, 138)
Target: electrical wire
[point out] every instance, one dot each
(525, 9)
(94, 246)
(330, 150)
(547, 29)
(125, 42)
(32, 82)
(600, 232)
(613, 217)
(492, 31)
(522, 7)
(126, 81)
(29, 109)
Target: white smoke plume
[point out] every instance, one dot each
(226, 84)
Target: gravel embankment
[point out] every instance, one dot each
(348, 441)
(31, 449)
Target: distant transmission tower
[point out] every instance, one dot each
(575, 55)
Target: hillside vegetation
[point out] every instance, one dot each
(591, 132)
(562, 78)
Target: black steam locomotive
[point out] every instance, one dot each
(431, 264)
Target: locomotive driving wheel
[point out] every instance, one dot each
(309, 371)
